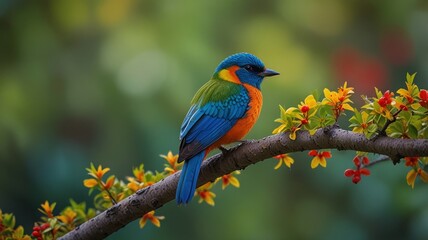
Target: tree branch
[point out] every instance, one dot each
(239, 157)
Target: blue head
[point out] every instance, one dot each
(246, 67)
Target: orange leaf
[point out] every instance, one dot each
(90, 183)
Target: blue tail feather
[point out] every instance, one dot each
(188, 179)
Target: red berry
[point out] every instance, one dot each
(356, 179)
(366, 160)
(36, 234)
(304, 121)
(349, 172)
(423, 95)
(357, 161)
(45, 225)
(36, 228)
(304, 108)
(365, 171)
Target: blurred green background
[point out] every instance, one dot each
(110, 81)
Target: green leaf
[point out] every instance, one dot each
(425, 132)
(410, 78)
(19, 232)
(316, 94)
(405, 115)
(324, 110)
(282, 112)
(9, 220)
(395, 135)
(395, 129)
(379, 94)
(372, 128)
(413, 132)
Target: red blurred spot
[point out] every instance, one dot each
(396, 47)
(359, 70)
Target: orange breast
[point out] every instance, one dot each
(243, 125)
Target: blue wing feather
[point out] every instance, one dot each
(205, 124)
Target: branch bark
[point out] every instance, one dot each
(238, 158)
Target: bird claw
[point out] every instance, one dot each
(223, 150)
(245, 141)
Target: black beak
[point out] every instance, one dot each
(268, 72)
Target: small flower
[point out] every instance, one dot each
(229, 179)
(413, 173)
(97, 173)
(356, 174)
(344, 92)
(406, 93)
(67, 216)
(139, 173)
(47, 209)
(385, 99)
(366, 121)
(339, 101)
(411, 161)
(293, 131)
(155, 220)
(172, 165)
(319, 158)
(205, 194)
(286, 119)
(134, 185)
(284, 158)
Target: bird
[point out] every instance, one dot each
(222, 111)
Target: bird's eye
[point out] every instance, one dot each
(252, 68)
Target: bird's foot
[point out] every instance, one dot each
(224, 150)
(243, 141)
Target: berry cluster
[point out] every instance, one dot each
(356, 173)
(38, 230)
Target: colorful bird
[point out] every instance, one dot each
(223, 111)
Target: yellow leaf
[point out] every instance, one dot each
(315, 162)
(278, 165)
(279, 129)
(423, 174)
(143, 222)
(323, 162)
(90, 183)
(155, 221)
(292, 135)
(234, 181)
(288, 161)
(348, 107)
(327, 93)
(411, 178)
(110, 182)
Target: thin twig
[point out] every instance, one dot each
(389, 122)
(382, 158)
